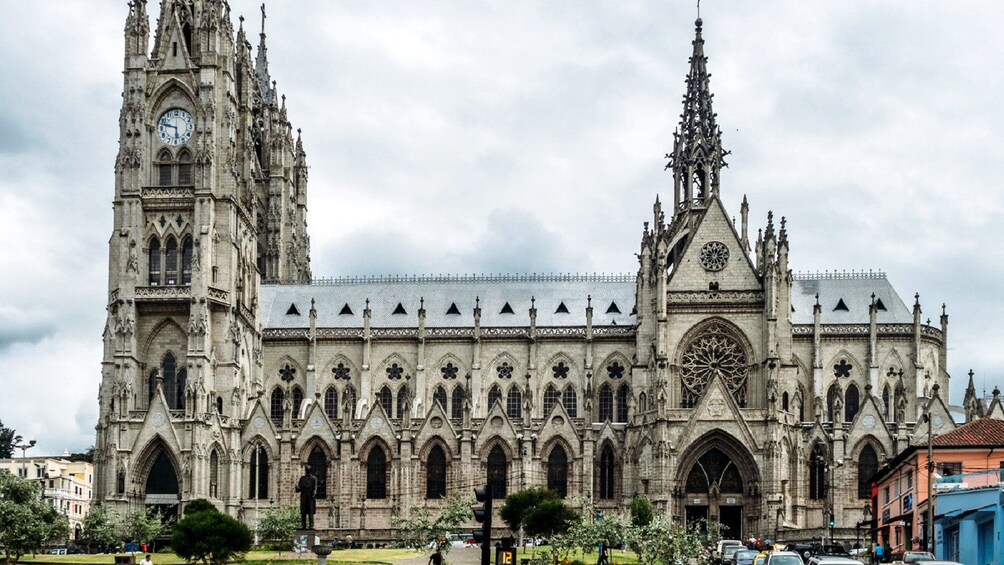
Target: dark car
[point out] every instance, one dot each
(833, 551)
(744, 557)
(805, 550)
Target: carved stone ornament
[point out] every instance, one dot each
(715, 352)
(714, 256)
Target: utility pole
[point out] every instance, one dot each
(930, 481)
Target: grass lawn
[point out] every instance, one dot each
(617, 556)
(253, 557)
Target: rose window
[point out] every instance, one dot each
(714, 352)
(714, 256)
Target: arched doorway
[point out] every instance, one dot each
(161, 489)
(719, 481)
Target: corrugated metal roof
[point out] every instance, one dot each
(855, 290)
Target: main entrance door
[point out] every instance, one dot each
(714, 491)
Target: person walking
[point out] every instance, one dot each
(436, 558)
(146, 561)
(602, 560)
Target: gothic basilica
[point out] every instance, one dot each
(713, 381)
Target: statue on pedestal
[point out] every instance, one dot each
(307, 487)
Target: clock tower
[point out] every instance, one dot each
(210, 200)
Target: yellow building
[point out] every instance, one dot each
(67, 484)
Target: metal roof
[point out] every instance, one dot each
(855, 290)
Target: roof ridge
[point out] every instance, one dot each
(465, 278)
(838, 275)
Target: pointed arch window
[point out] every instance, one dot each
(494, 395)
(258, 477)
(297, 401)
(155, 262)
(571, 401)
(642, 403)
(318, 462)
(784, 401)
(608, 469)
(185, 168)
(219, 405)
(376, 473)
(551, 397)
(186, 261)
(331, 403)
(557, 471)
(514, 403)
(832, 399)
(817, 473)
(167, 371)
(498, 470)
(214, 474)
(163, 479)
(165, 168)
(457, 403)
(885, 403)
(402, 401)
(180, 385)
(606, 404)
(852, 403)
(622, 403)
(867, 467)
(386, 400)
(435, 467)
(439, 397)
(171, 261)
(275, 405)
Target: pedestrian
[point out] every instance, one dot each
(146, 561)
(435, 558)
(878, 553)
(887, 553)
(602, 560)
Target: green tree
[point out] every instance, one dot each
(102, 527)
(418, 529)
(518, 504)
(26, 521)
(209, 536)
(548, 518)
(7, 442)
(87, 455)
(141, 526)
(199, 505)
(278, 525)
(641, 511)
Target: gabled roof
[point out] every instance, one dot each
(984, 432)
(854, 291)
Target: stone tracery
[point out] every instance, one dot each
(714, 352)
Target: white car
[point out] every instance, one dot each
(455, 541)
(826, 560)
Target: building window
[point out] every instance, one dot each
(275, 405)
(186, 261)
(867, 467)
(606, 404)
(376, 473)
(214, 474)
(167, 373)
(551, 397)
(219, 405)
(514, 403)
(402, 401)
(435, 467)
(155, 262)
(179, 395)
(622, 403)
(498, 469)
(164, 168)
(318, 462)
(171, 261)
(852, 403)
(885, 403)
(608, 468)
(439, 397)
(784, 401)
(949, 469)
(557, 471)
(185, 169)
(258, 486)
(297, 401)
(386, 400)
(715, 352)
(457, 403)
(571, 402)
(331, 403)
(494, 395)
(817, 473)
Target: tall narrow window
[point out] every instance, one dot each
(514, 403)
(152, 384)
(867, 467)
(331, 403)
(386, 400)
(318, 462)
(457, 403)
(376, 474)
(275, 405)
(186, 261)
(297, 401)
(784, 401)
(498, 470)
(180, 384)
(607, 472)
(817, 473)
(164, 168)
(435, 482)
(494, 395)
(557, 471)
(167, 371)
(551, 397)
(571, 401)
(258, 486)
(155, 262)
(171, 266)
(185, 169)
(402, 401)
(214, 474)
(852, 403)
(439, 397)
(606, 404)
(622, 403)
(885, 403)
(219, 405)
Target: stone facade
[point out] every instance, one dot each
(714, 381)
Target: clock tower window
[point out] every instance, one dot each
(171, 262)
(185, 168)
(155, 262)
(164, 168)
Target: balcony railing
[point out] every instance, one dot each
(980, 479)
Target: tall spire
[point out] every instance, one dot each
(697, 157)
(261, 63)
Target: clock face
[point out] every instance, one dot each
(175, 127)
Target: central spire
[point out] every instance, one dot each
(697, 157)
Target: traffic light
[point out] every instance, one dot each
(483, 515)
(832, 521)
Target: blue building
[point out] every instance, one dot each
(969, 517)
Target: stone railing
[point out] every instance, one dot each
(163, 292)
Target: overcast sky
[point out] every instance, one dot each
(528, 136)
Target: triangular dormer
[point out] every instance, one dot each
(713, 258)
(497, 425)
(378, 423)
(316, 424)
(158, 423)
(719, 408)
(173, 46)
(436, 424)
(941, 420)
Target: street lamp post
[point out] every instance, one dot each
(19, 443)
(257, 482)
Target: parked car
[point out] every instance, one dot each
(744, 556)
(833, 551)
(783, 558)
(728, 551)
(718, 555)
(455, 540)
(913, 557)
(831, 560)
(806, 550)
